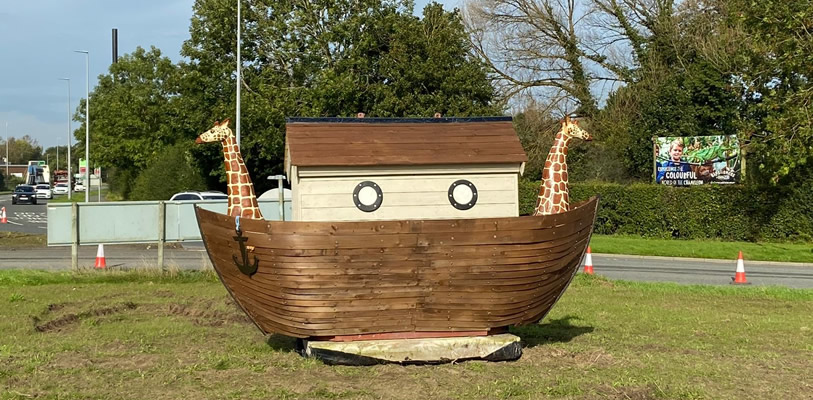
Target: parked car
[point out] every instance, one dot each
(44, 191)
(198, 196)
(24, 194)
(79, 187)
(61, 188)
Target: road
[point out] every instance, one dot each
(634, 268)
(32, 219)
(25, 218)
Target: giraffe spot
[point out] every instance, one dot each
(234, 166)
(564, 176)
(547, 163)
(237, 210)
(243, 178)
(243, 169)
(247, 203)
(557, 198)
(560, 158)
(244, 191)
(548, 183)
(564, 151)
(565, 198)
(557, 167)
(557, 177)
(562, 186)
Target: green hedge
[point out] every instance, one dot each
(722, 211)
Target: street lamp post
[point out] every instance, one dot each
(70, 177)
(237, 124)
(57, 155)
(7, 143)
(87, 123)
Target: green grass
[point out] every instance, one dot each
(22, 240)
(78, 197)
(131, 335)
(617, 244)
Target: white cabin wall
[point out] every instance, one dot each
(413, 193)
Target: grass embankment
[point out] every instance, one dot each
(126, 335)
(78, 197)
(617, 244)
(22, 240)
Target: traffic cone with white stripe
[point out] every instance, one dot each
(588, 262)
(3, 219)
(739, 276)
(100, 263)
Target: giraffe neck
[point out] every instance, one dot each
(553, 195)
(242, 200)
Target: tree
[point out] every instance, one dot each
(776, 76)
(324, 58)
(170, 171)
(133, 116)
(23, 150)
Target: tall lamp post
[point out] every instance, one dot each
(237, 124)
(87, 123)
(70, 177)
(7, 143)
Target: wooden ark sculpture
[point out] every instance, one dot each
(470, 269)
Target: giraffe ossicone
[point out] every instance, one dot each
(242, 200)
(553, 193)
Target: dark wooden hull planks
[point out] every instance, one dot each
(324, 279)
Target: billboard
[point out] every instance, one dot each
(697, 160)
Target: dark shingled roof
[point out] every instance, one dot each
(312, 142)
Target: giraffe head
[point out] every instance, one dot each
(218, 133)
(571, 129)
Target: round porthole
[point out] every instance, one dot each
(368, 196)
(463, 194)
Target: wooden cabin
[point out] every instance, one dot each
(354, 169)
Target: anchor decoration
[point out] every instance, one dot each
(246, 267)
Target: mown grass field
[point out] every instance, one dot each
(166, 336)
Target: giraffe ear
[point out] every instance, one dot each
(217, 123)
(226, 122)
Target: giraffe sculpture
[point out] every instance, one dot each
(242, 200)
(553, 194)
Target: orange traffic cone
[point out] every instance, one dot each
(588, 262)
(739, 276)
(100, 263)
(3, 219)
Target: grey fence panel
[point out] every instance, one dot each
(181, 222)
(137, 221)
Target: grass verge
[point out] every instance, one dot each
(132, 336)
(22, 240)
(617, 244)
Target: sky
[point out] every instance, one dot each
(37, 43)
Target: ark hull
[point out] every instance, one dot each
(328, 279)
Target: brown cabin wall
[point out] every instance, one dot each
(414, 192)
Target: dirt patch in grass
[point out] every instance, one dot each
(68, 320)
(206, 316)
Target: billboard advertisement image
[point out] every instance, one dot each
(697, 160)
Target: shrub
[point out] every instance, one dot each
(169, 173)
(723, 211)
